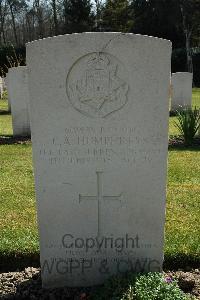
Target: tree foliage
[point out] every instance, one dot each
(117, 15)
(22, 21)
(157, 18)
(78, 15)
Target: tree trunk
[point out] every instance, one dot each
(98, 15)
(2, 20)
(39, 15)
(188, 51)
(13, 22)
(53, 3)
(188, 33)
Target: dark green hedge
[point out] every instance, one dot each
(179, 64)
(196, 67)
(179, 60)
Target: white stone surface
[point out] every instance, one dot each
(7, 88)
(1, 87)
(181, 90)
(4, 83)
(18, 95)
(99, 116)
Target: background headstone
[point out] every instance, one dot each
(99, 114)
(181, 90)
(4, 83)
(1, 87)
(18, 95)
(6, 88)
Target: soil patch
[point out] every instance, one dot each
(27, 285)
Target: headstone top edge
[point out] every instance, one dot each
(75, 35)
(17, 68)
(182, 73)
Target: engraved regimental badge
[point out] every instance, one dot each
(95, 85)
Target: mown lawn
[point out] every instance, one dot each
(18, 226)
(17, 217)
(183, 204)
(5, 118)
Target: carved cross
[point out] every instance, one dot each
(100, 198)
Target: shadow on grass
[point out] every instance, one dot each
(11, 140)
(13, 261)
(181, 261)
(5, 112)
(184, 148)
(173, 113)
(28, 283)
(177, 143)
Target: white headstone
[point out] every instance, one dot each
(99, 111)
(6, 87)
(4, 83)
(18, 95)
(181, 90)
(1, 87)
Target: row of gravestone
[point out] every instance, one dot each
(18, 100)
(2, 86)
(17, 86)
(181, 93)
(99, 110)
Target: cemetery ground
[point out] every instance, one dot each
(19, 245)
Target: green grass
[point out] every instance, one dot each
(196, 97)
(183, 206)
(17, 218)
(18, 226)
(6, 125)
(3, 104)
(5, 118)
(172, 128)
(195, 103)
